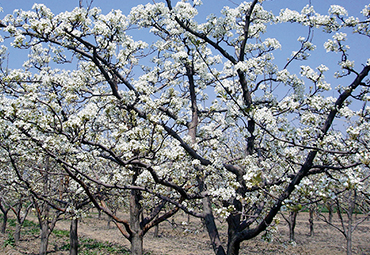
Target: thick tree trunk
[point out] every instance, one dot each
(349, 230)
(73, 237)
(17, 233)
(233, 222)
(136, 244)
(44, 237)
(43, 212)
(352, 205)
(135, 213)
(233, 246)
(209, 221)
(349, 242)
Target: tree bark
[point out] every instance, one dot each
(44, 237)
(20, 219)
(5, 220)
(351, 209)
(330, 211)
(156, 230)
(349, 239)
(292, 223)
(209, 221)
(43, 211)
(73, 237)
(5, 210)
(17, 233)
(311, 221)
(234, 224)
(136, 238)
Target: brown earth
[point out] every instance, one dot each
(178, 237)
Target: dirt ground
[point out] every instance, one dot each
(179, 237)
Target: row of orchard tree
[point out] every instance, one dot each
(200, 118)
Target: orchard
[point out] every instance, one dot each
(234, 115)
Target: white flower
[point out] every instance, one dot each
(366, 11)
(196, 162)
(322, 68)
(338, 10)
(347, 64)
(351, 21)
(272, 43)
(309, 73)
(340, 36)
(309, 46)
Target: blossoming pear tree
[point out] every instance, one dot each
(200, 117)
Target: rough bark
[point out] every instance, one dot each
(330, 211)
(136, 238)
(292, 223)
(234, 227)
(5, 220)
(156, 231)
(350, 211)
(209, 221)
(20, 220)
(349, 238)
(73, 237)
(5, 210)
(17, 233)
(43, 212)
(44, 237)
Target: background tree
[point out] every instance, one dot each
(350, 201)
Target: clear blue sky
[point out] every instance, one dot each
(353, 6)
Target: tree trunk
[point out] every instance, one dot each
(292, 223)
(311, 221)
(5, 220)
(44, 237)
(352, 204)
(136, 244)
(209, 221)
(349, 242)
(43, 212)
(348, 234)
(73, 237)
(17, 233)
(233, 222)
(156, 230)
(20, 219)
(330, 209)
(136, 238)
(233, 247)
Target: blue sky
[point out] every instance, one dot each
(209, 6)
(286, 34)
